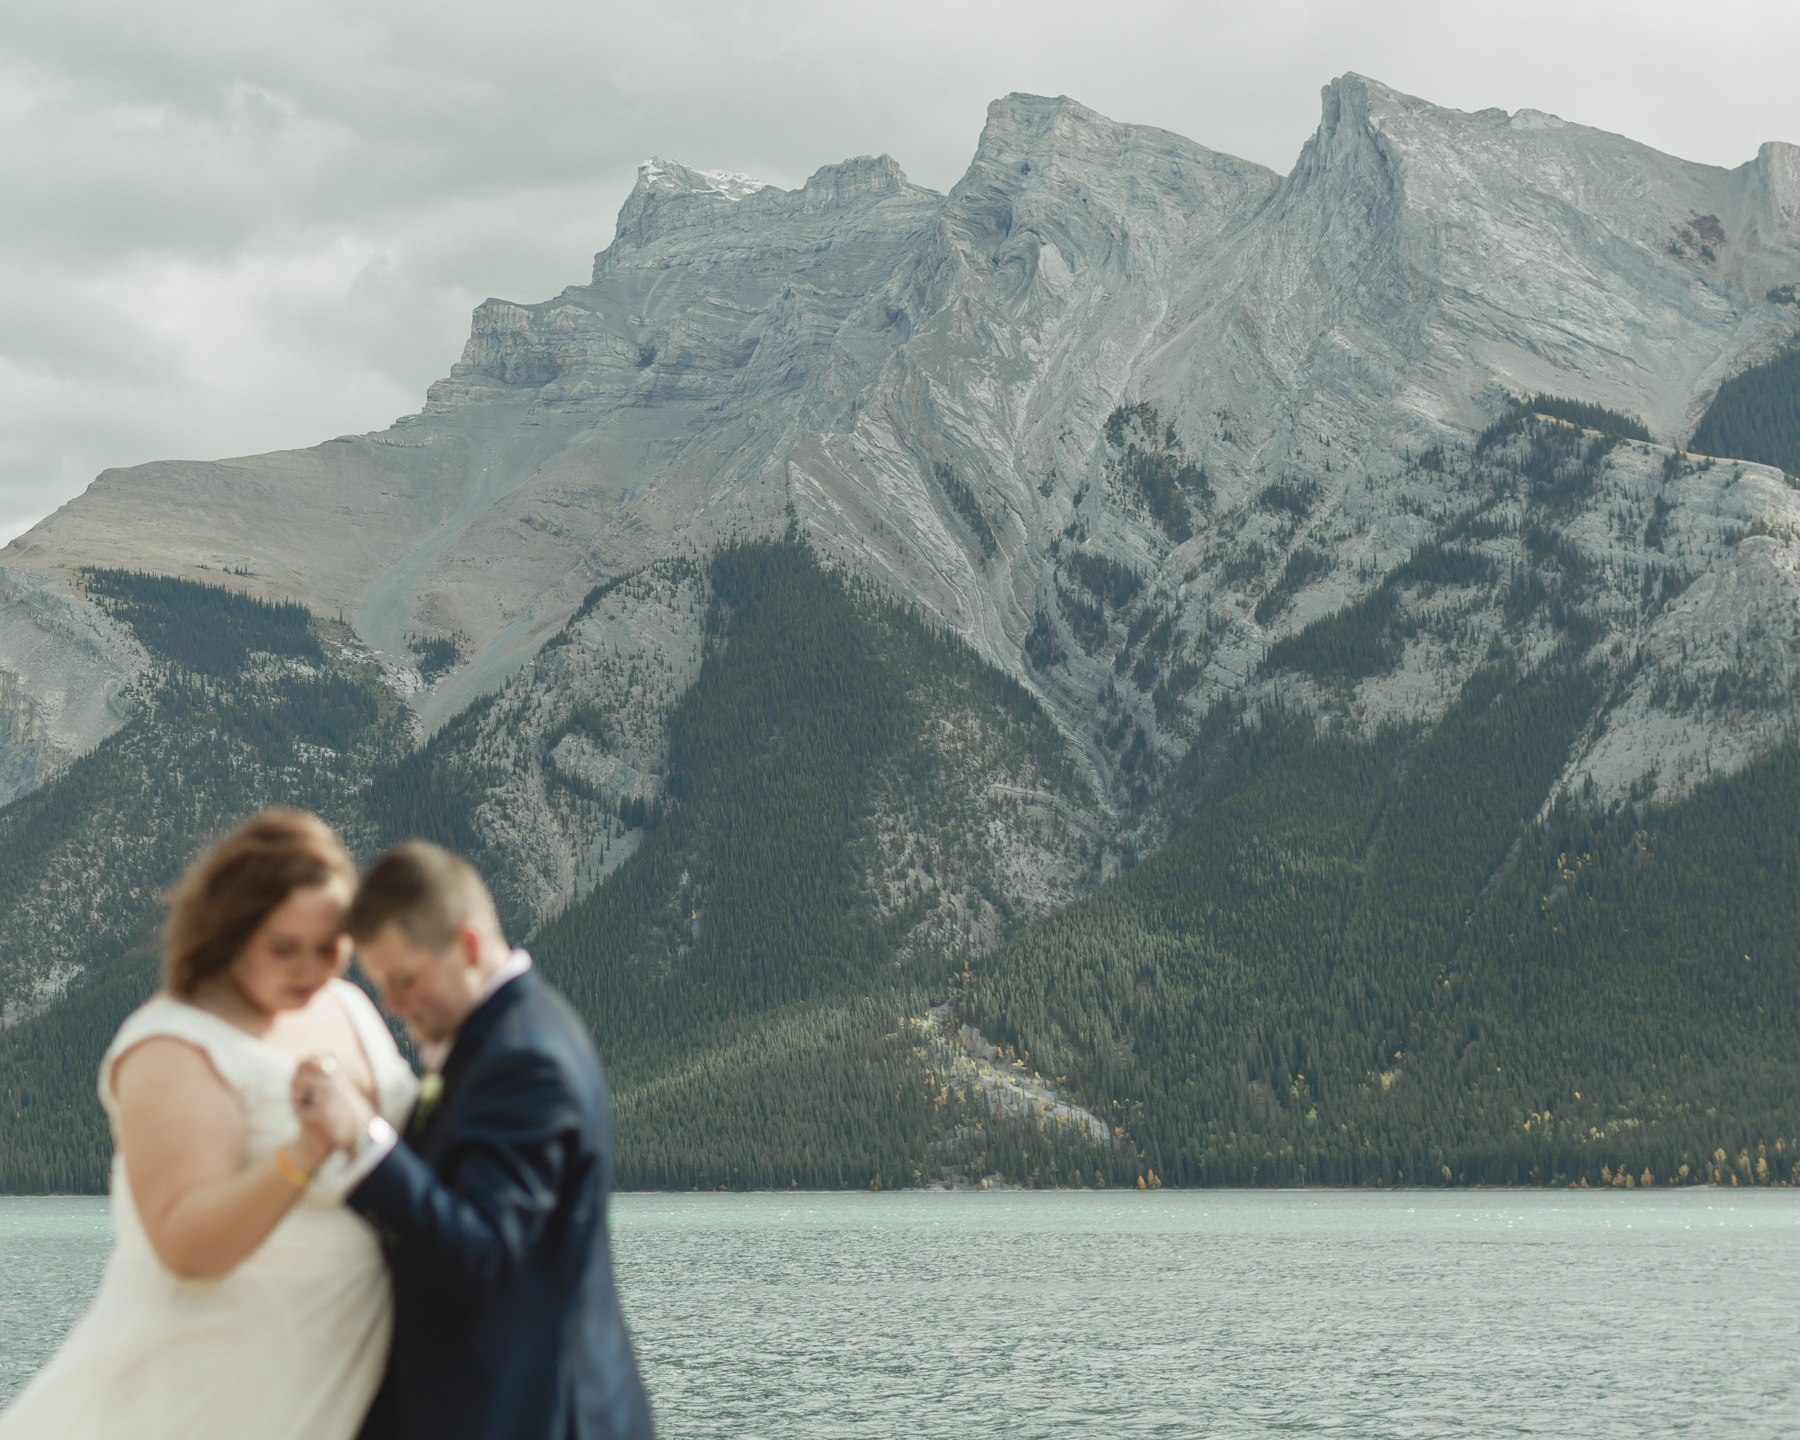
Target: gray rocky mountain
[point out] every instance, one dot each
(1122, 412)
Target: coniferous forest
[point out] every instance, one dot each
(1756, 415)
(1354, 958)
(1363, 963)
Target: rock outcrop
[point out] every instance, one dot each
(65, 675)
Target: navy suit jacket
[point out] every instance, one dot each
(492, 1212)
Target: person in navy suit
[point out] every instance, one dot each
(492, 1206)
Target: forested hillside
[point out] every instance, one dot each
(1367, 962)
(748, 970)
(825, 848)
(1756, 415)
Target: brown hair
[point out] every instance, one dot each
(229, 891)
(425, 890)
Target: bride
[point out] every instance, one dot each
(241, 1298)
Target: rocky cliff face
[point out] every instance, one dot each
(65, 671)
(927, 382)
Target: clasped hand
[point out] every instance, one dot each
(328, 1106)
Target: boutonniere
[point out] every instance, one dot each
(431, 1090)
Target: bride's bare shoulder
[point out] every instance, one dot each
(166, 1067)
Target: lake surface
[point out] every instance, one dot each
(1228, 1314)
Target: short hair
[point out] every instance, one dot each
(233, 887)
(425, 890)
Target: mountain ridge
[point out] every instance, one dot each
(454, 524)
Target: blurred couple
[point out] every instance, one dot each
(309, 1242)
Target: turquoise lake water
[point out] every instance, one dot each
(1222, 1314)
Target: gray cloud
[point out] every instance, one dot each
(231, 228)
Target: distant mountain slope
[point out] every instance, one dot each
(1132, 552)
(848, 803)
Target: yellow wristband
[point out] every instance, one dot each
(290, 1172)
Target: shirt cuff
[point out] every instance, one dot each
(382, 1137)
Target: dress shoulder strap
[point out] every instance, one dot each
(395, 1084)
(240, 1060)
(359, 1009)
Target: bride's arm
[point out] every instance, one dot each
(182, 1133)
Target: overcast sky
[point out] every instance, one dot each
(231, 228)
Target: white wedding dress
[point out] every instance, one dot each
(291, 1345)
